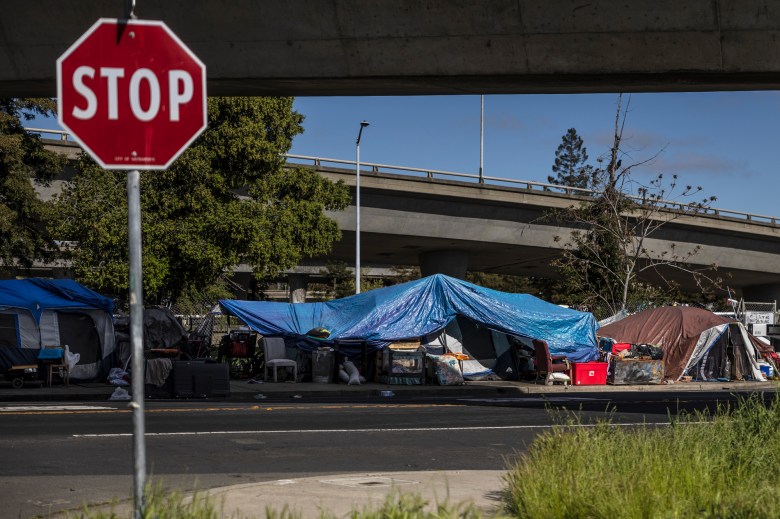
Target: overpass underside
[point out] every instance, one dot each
(508, 230)
(441, 224)
(402, 47)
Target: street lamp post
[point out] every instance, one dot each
(363, 124)
(481, 136)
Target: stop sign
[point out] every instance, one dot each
(131, 93)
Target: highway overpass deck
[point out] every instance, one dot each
(503, 225)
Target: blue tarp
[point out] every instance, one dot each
(37, 294)
(424, 307)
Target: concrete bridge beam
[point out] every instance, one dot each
(403, 47)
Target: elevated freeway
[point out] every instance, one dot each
(449, 222)
(401, 47)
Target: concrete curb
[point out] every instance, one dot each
(243, 392)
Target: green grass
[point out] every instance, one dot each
(726, 467)
(162, 504)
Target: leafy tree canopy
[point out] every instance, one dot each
(23, 163)
(226, 201)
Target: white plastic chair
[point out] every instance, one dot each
(276, 357)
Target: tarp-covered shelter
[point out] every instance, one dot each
(161, 330)
(423, 308)
(41, 312)
(695, 342)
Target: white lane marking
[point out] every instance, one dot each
(380, 430)
(25, 408)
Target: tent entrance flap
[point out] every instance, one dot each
(9, 331)
(79, 333)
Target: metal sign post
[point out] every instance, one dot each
(136, 338)
(134, 97)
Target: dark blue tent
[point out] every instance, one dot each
(36, 312)
(421, 308)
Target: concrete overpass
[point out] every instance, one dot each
(407, 220)
(398, 47)
(447, 222)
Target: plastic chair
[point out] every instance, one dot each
(276, 357)
(547, 364)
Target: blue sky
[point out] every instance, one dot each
(726, 142)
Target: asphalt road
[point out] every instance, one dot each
(58, 456)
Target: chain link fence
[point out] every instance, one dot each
(757, 313)
(203, 321)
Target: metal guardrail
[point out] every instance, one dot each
(526, 184)
(63, 135)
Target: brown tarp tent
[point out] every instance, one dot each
(695, 342)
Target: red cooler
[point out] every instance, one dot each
(620, 346)
(589, 373)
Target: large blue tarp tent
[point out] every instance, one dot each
(421, 308)
(40, 312)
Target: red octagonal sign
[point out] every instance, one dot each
(132, 94)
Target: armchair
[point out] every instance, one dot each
(546, 364)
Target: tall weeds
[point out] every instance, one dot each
(720, 465)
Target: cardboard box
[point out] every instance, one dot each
(588, 373)
(410, 344)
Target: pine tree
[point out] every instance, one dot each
(571, 166)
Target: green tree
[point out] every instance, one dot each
(228, 200)
(608, 259)
(570, 167)
(23, 163)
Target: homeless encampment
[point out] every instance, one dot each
(695, 342)
(161, 330)
(424, 308)
(41, 312)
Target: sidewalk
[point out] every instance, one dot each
(243, 391)
(339, 494)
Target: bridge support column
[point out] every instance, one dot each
(297, 284)
(453, 263)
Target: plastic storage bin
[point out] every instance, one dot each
(322, 365)
(588, 373)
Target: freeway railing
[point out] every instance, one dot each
(526, 184)
(61, 134)
(305, 160)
